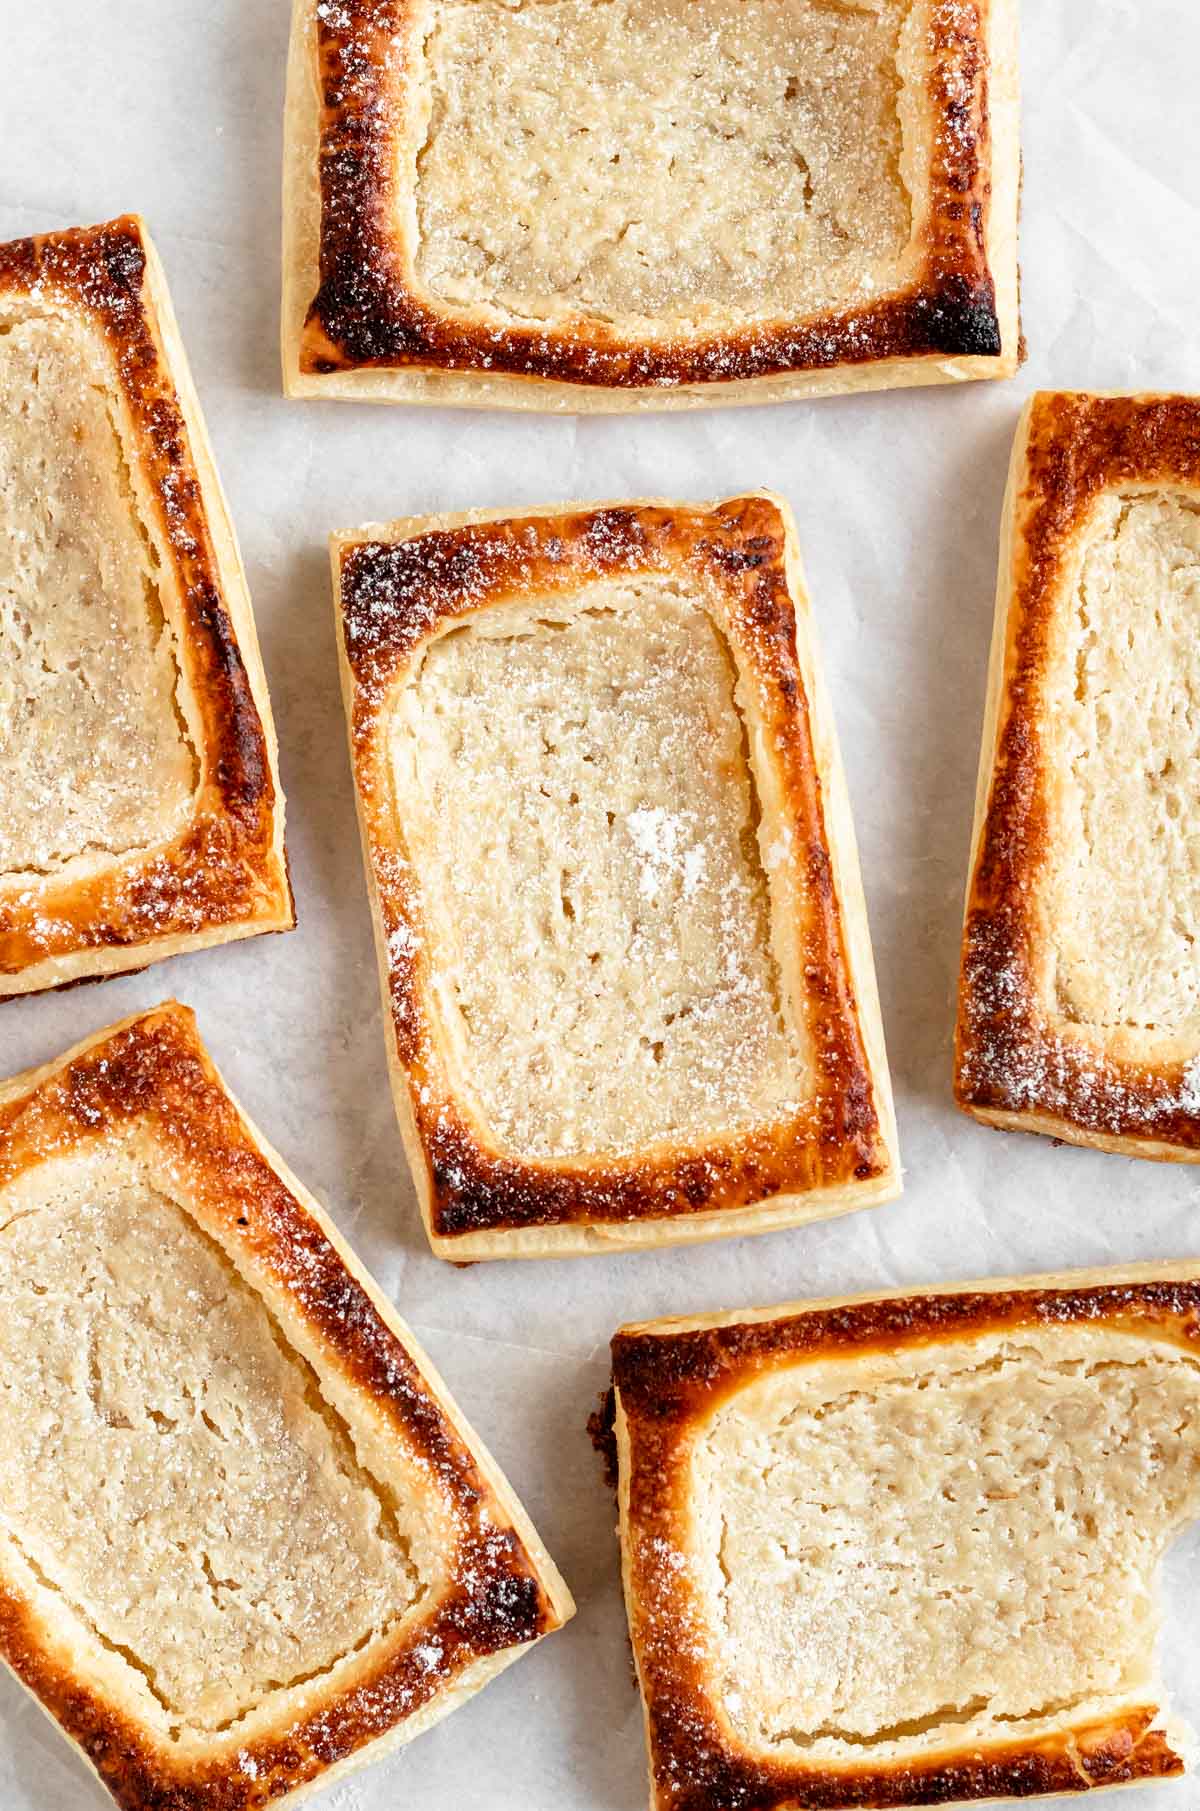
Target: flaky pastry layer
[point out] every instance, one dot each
(1077, 994)
(630, 998)
(138, 755)
(634, 205)
(248, 1541)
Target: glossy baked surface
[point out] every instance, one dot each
(1078, 992)
(137, 754)
(618, 913)
(648, 203)
(246, 1534)
(906, 1550)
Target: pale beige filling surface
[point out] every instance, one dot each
(1122, 898)
(663, 158)
(577, 802)
(969, 1548)
(93, 753)
(168, 1465)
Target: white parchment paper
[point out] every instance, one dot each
(173, 107)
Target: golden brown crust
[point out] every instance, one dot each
(669, 1381)
(225, 874)
(366, 314)
(393, 596)
(153, 1074)
(1016, 1065)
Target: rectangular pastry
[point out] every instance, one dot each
(648, 204)
(140, 807)
(622, 939)
(1079, 999)
(246, 1539)
(904, 1550)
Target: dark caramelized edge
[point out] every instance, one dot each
(366, 316)
(1079, 445)
(153, 1073)
(393, 597)
(220, 869)
(668, 1382)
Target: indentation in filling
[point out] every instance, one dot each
(661, 157)
(1123, 894)
(93, 752)
(976, 1543)
(168, 1465)
(581, 816)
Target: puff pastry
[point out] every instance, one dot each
(648, 204)
(1079, 997)
(142, 813)
(904, 1550)
(622, 940)
(246, 1539)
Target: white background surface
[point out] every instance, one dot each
(173, 108)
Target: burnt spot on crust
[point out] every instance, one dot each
(1011, 1057)
(102, 267)
(602, 1432)
(365, 314)
(668, 1380)
(747, 555)
(124, 259)
(241, 769)
(395, 596)
(155, 1072)
(221, 869)
(960, 321)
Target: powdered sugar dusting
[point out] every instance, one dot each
(92, 748)
(577, 805)
(661, 841)
(1017, 1058)
(752, 191)
(873, 1556)
(737, 164)
(128, 1337)
(316, 1525)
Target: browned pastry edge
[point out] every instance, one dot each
(154, 1073)
(1011, 1061)
(365, 314)
(393, 597)
(667, 1383)
(221, 868)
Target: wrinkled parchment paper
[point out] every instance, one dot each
(173, 108)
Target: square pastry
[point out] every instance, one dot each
(246, 1539)
(140, 807)
(621, 204)
(623, 945)
(1079, 998)
(905, 1550)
